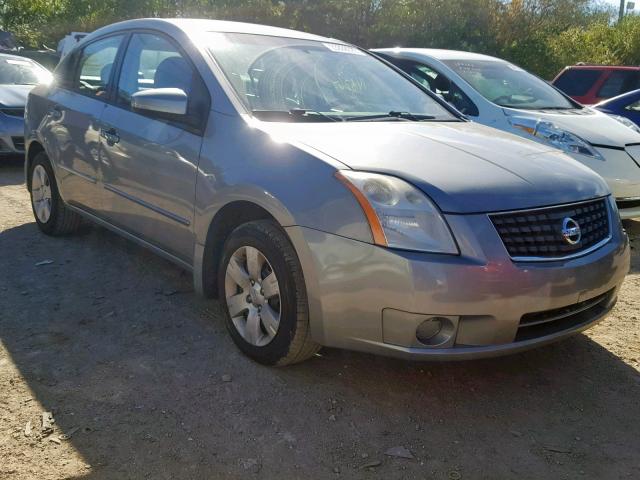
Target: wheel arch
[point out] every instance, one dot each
(34, 149)
(207, 257)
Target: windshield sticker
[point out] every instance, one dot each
(336, 47)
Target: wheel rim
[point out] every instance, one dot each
(41, 193)
(253, 296)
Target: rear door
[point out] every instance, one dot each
(150, 160)
(71, 127)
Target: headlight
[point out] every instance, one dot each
(400, 215)
(626, 122)
(556, 137)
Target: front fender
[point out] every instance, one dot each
(295, 185)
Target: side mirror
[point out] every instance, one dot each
(171, 101)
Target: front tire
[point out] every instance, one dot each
(264, 296)
(51, 214)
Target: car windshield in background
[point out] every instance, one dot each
(508, 85)
(21, 72)
(281, 79)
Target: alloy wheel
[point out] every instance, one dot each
(41, 193)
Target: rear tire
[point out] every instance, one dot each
(51, 214)
(263, 293)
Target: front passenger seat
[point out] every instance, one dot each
(173, 72)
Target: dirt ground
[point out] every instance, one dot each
(144, 382)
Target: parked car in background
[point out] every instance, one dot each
(626, 105)
(47, 58)
(590, 84)
(326, 198)
(499, 94)
(18, 75)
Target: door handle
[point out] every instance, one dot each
(55, 112)
(110, 135)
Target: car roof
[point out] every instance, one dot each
(622, 99)
(439, 54)
(18, 57)
(193, 27)
(600, 67)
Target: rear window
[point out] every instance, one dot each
(617, 83)
(577, 83)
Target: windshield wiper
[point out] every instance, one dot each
(295, 114)
(411, 117)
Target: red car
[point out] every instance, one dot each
(590, 84)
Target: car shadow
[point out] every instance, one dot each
(134, 366)
(633, 229)
(11, 170)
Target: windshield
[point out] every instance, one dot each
(14, 71)
(508, 85)
(289, 79)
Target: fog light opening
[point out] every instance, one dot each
(435, 331)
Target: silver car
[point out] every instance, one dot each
(322, 195)
(18, 75)
(501, 95)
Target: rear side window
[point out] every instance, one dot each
(577, 83)
(617, 83)
(96, 65)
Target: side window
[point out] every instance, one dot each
(445, 88)
(617, 83)
(152, 61)
(577, 82)
(95, 66)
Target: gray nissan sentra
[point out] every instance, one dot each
(322, 195)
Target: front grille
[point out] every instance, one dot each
(13, 112)
(538, 233)
(18, 142)
(548, 322)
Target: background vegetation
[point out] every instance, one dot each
(540, 35)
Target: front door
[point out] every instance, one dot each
(149, 161)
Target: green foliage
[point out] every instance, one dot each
(540, 35)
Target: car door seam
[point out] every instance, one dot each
(150, 206)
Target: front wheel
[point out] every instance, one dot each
(264, 295)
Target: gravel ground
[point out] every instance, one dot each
(144, 382)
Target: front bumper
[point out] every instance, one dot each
(484, 294)
(621, 170)
(11, 135)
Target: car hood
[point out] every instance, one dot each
(595, 127)
(464, 167)
(14, 95)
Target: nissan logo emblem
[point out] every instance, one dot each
(571, 231)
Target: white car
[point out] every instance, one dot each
(499, 94)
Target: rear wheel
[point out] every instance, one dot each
(51, 214)
(263, 290)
